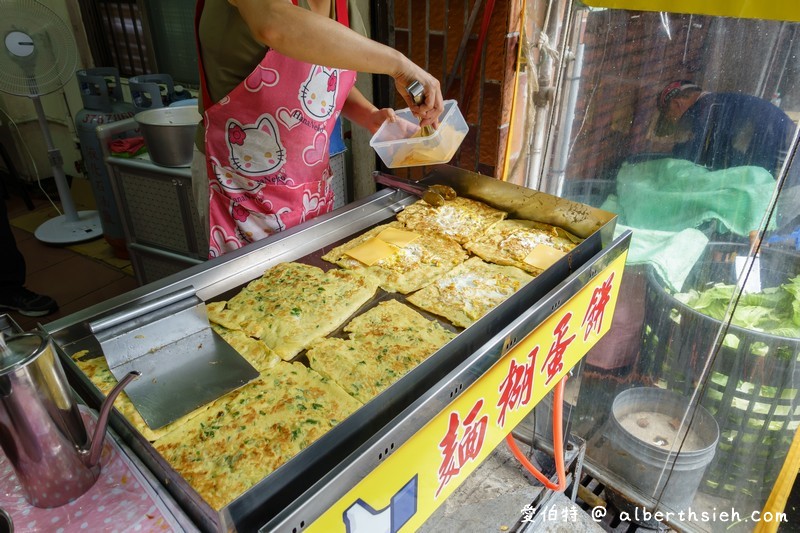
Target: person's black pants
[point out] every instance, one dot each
(12, 263)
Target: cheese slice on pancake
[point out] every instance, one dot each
(384, 344)
(293, 304)
(511, 242)
(460, 219)
(371, 251)
(470, 290)
(250, 432)
(419, 262)
(398, 237)
(543, 256)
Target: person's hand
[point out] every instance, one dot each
(379, 116)
(433, 104)
(405, 128)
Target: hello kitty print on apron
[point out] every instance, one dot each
(267, 148)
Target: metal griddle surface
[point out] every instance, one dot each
(222, 278)
(315, 259)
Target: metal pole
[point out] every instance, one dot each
(56, 162)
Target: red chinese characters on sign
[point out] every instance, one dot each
(553, 363)
(464, 439)
(462, 443)
(593, 320)
(516, 388)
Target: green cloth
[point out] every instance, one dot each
(674, 194)
(672, 254)
(664, 201)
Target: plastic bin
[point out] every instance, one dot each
(754, 386)
(397, 147)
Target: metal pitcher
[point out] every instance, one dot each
(41, 429)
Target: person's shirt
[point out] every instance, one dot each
(230, 53)
(723, 130)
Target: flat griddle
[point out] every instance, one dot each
(326, 461)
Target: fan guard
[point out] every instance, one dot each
(39, 52)
(38, 57)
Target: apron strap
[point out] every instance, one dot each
(342, 15)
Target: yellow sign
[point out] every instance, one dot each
(749, 9)
(406, 488)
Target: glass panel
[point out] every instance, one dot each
(682, 124)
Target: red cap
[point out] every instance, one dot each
(672, 89)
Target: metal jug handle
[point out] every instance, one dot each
(102, 419)
(5, 386)
(6, 523)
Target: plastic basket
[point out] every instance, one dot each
(754, 381)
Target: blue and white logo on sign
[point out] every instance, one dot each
(363, 518)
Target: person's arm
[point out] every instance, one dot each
(362, 112)
(303, 35)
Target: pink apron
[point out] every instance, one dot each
(267, 147)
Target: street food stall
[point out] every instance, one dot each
(645, 357)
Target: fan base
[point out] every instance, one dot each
(59, 230)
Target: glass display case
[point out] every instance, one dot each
(685, 126)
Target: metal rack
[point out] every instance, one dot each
(157, 209)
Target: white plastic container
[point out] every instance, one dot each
(397, 146)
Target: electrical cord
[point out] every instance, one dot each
(32, 161)
(558, 445)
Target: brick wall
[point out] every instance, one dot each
(628, 57)
(430, 32)
(624, 67)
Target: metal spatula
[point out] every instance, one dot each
(434, 195)
(183, 363)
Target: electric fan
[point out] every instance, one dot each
(38, 58)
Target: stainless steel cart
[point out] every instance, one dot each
(311, 488)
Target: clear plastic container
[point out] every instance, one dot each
(399, 145)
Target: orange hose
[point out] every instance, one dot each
(558, 445)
